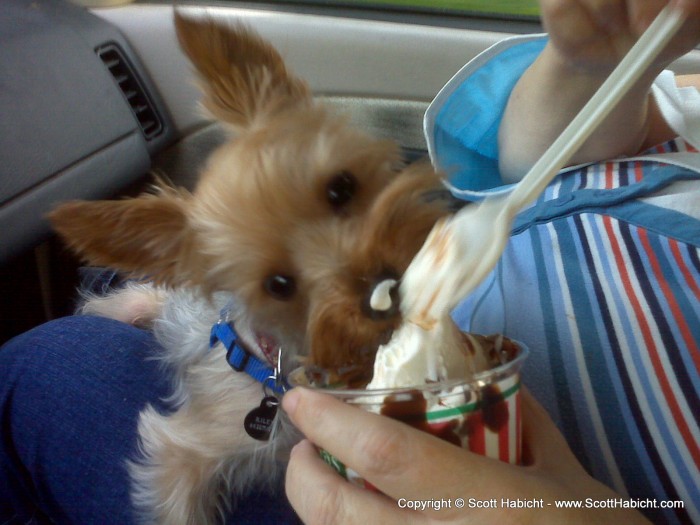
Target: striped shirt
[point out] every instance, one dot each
(603, 285)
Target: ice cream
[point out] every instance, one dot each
(463, 388)
(479, 411)
(415, 356)
(428, 347)
(431, 285)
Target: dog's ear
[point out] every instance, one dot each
(243, 77)
(147, 236)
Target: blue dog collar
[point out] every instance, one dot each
(241, 360)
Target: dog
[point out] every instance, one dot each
(292, 225)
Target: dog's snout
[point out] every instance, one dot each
(382, 301)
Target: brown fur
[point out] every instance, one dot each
(261, 208)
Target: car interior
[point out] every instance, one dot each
(95, 102)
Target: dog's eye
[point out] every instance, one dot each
(341, 189)
(281, 287)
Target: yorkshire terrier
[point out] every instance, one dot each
(292, 225)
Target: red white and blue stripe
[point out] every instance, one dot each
(604, 288)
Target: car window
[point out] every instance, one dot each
(493, 8)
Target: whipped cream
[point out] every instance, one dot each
(415, 356)
(428, 346)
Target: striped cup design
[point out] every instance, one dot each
(482, 415)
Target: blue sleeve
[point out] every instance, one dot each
(461, 124)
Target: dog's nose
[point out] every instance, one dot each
(383, 301)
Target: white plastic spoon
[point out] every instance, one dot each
(462, 250)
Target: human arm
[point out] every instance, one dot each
(587, 40)
(406, 463)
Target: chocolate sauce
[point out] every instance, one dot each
(494, 408)
(411, 408)
(498, 349)
(350, 377)
(492, 413)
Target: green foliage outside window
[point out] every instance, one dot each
(501, 7)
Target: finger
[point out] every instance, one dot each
(319, 495)
(544, 446)
(570, 20)
(574, 30)
(691, 7)
(399, 460)
(641, 14)
(610, 15)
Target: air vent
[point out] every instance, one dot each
(135, 94)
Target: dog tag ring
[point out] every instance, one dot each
(258, 423)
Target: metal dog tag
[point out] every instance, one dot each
(258, 422)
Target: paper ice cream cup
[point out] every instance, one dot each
(481, 414)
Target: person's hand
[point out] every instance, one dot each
(595, 34)
(587, 40)
(409, 465)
